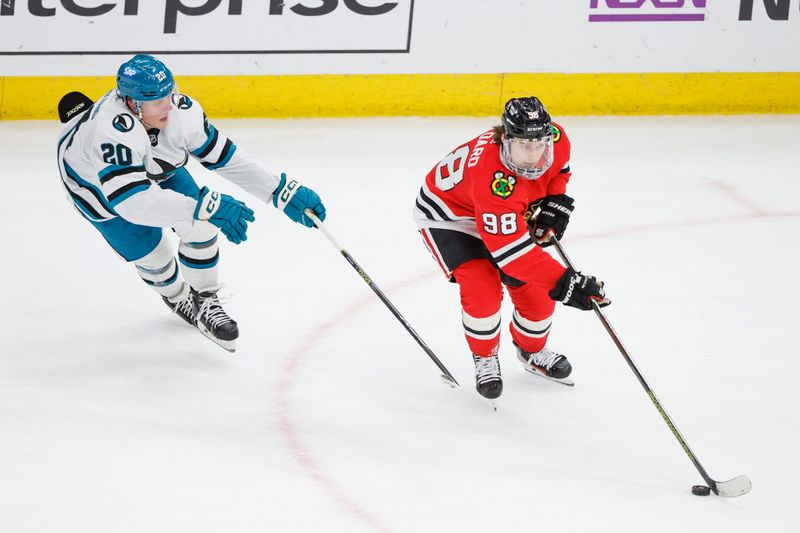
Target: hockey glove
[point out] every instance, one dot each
(552, 219)
(225, 212)
(293, 199)
(578, 290)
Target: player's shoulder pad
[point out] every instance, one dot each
(189, 112)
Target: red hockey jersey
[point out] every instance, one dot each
(471, 191)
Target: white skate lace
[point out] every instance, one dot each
(185, 307)
(211, 308)
(486, 368)
(546, 358)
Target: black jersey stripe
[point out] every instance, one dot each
(487, 332)
(86, 205)
(122, 190)
(222, 156)
(565, 170)
(191, 261)
(433, 205)
(91, 190)
(211, 144)
(425, 211)
(120, 172)
(529, 331)
(508, 253)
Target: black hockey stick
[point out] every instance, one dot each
(737, 486)
(447, 377)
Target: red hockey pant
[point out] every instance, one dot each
(481, 296)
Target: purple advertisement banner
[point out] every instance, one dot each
(647, 10)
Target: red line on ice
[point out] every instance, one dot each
(296, 358)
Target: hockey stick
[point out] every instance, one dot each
(447, 377)
(737, 486)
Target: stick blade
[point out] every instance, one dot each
(449, 381)
(738, 486)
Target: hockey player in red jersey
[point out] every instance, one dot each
(477, 213)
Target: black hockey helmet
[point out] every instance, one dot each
(526, 118)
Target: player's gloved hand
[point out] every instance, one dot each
(552, 219)
(293, 199)
(579, 290)
(227, 213)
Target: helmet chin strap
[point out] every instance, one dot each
(137, 107)
(137, 110)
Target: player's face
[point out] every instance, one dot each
(531, 156)
(155, 113)
(527, 153)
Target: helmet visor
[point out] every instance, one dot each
(529, 158)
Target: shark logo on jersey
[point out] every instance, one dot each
(123, 122)
(503, 185)
(181, 101)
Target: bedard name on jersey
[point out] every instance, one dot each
(485, 212)
(123, 161)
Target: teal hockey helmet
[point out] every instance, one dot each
(144, 78)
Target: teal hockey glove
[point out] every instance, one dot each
(227, 213)
(293, 199)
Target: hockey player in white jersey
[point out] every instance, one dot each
(122, 163)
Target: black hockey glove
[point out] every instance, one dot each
(552, 219)
(578, 290)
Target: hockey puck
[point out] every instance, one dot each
(701, 490)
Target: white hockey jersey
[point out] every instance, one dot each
(109, 163)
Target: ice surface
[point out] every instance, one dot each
(116, 417)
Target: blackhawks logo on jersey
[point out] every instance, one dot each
(556, 133)
(503, 185)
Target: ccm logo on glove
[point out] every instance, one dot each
(288, 191)
(227, 213)
(293, 199)
(211, 206)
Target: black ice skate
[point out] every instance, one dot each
(488, 381)
(212, 320)
(547, 364)
(183, 306)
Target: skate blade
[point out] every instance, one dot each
(230, 346)
(568, 381)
